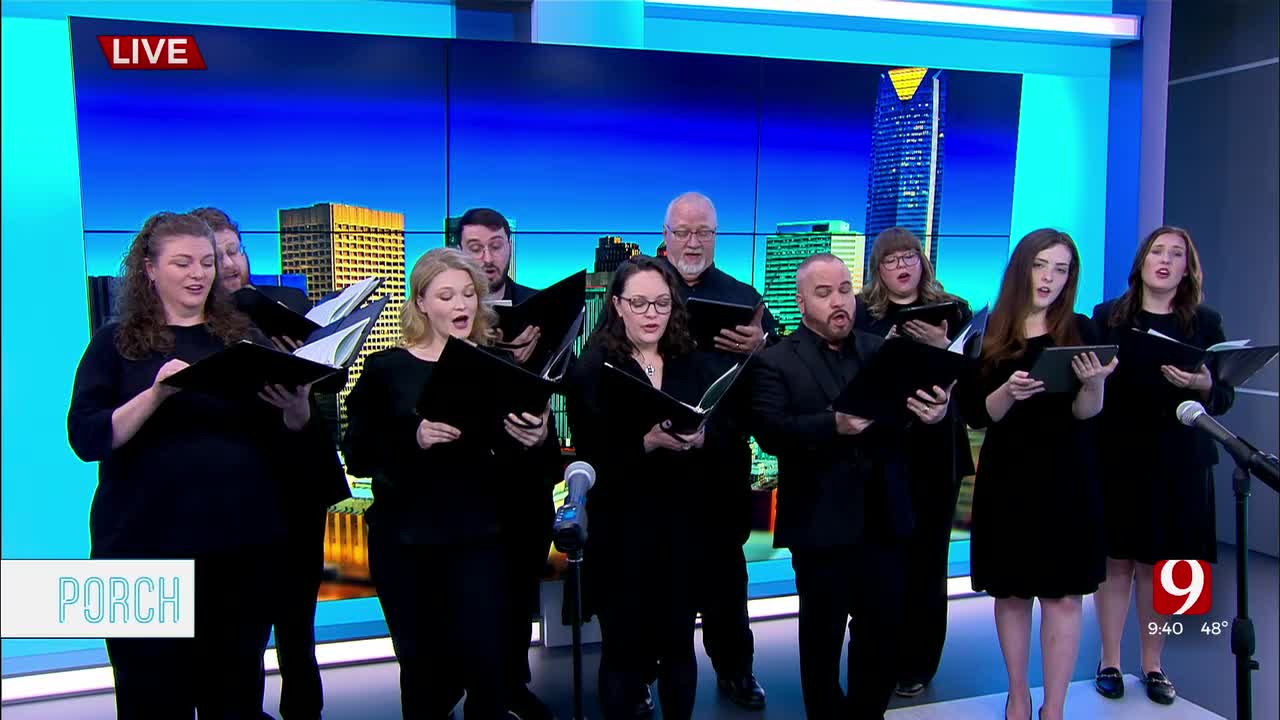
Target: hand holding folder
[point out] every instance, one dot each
(708, 318)
(898, 370)
(552, 312)
(1232, 362)
(473, 390)
(653, 407)
(1056, 366)
(245, 368)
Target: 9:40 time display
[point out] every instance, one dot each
(1175, 628)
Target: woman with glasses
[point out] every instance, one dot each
(644, 549)
(903, 278)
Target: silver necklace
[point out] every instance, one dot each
(649, 368)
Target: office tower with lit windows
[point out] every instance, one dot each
(908, 136)
(795, 241)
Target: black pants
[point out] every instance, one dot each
(444, 606)
(924, 629)
(218, 672)
(726, 628)
(525, 560)
(863, 581)
(635, 647)
(302, 569)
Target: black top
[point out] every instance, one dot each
(833, 489)
(1158, 471)
(1037, 504)
(451, 493)
(197, 477)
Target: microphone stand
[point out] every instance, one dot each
(1243, 641)
(575, 617)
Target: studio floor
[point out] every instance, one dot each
(970, 683)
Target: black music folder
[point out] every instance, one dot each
(276, 320)
(474, 389)
(708, 317)
(652, 406)
(1053, 365)
(554, 310)
(933, 314)
(1232, 362)
(895, 372)
(245, 368)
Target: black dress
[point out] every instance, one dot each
(645, 543)
(1158, 472)
(1037, 504)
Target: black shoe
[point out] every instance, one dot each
(1159, 689)
(1009, 698)
(644, 707)
(745, 692)
(1109, 682)
(909, 688)
(524, 705)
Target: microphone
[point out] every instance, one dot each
(1264, 467)
(570, 528)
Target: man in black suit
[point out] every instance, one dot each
(313, 484)
(529, 511)
(689, 233)
(844, 507)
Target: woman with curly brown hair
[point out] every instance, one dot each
(176, 469)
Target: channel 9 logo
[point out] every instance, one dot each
(1183, 587)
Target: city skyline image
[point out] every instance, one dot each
(343, 156)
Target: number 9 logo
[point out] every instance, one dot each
(1183, 587)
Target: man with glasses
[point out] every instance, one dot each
(689, 234)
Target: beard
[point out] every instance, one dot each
(688, 268)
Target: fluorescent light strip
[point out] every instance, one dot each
(1124, 27)
(347, 652)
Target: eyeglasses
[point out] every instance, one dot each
(904, 260)
(640, 305)
(703, 234)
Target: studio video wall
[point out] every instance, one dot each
(579, 147)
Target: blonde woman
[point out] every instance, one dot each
(435, 548)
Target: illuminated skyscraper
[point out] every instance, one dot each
(784, 251)
(612, 252)
(907, 143)
(336, 245)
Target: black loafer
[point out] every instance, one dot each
(745, 692)
(644, 707)
(1109, 683)
(1159, 689)
(909, 688)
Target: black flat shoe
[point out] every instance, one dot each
(745, 692)
(644, 707)
(1109, 682)
(909, 689)
(1159, 689)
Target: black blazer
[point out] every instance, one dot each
(833, 489)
